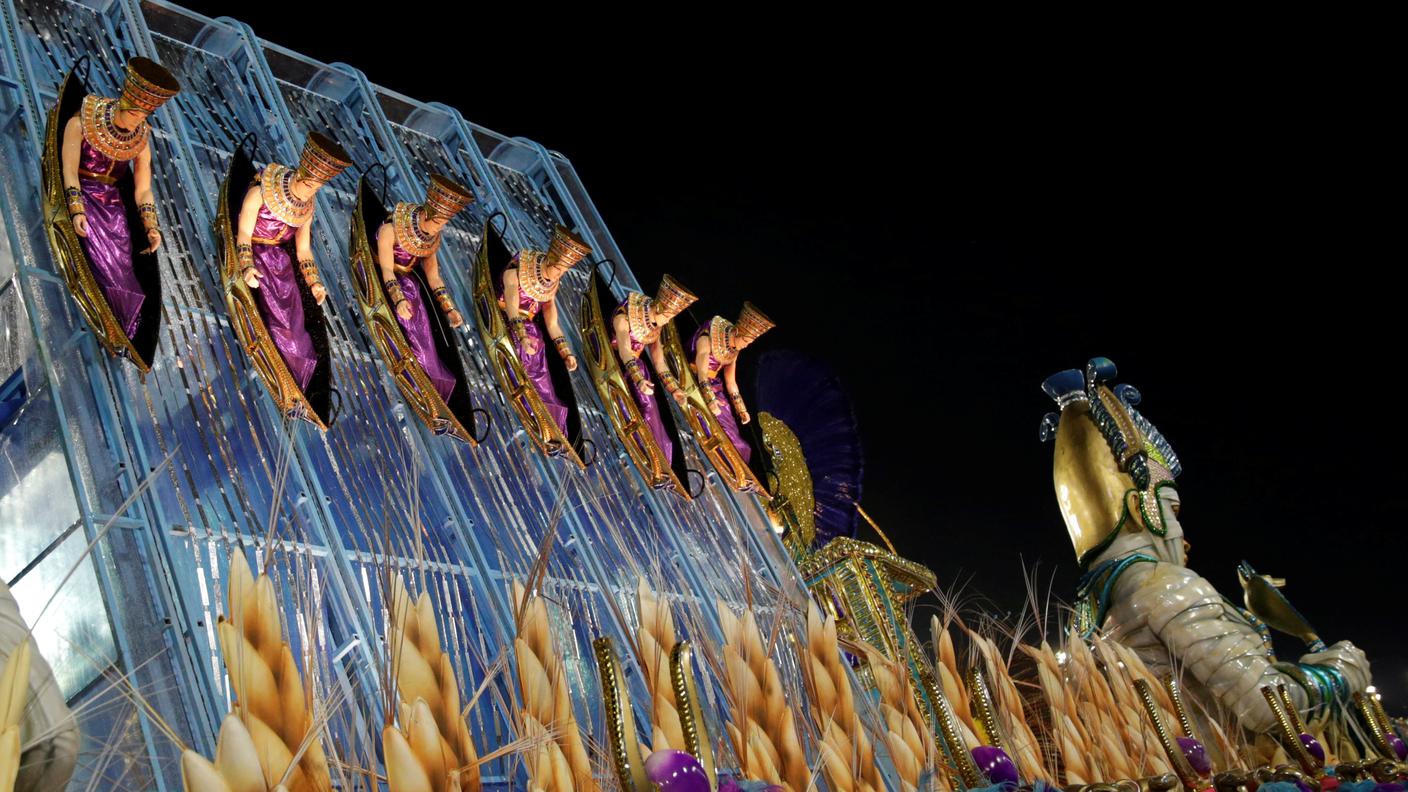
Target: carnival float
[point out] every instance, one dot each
(348, 453)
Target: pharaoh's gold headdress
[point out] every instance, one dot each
(148, 86)
(566, 248)
(673, 297)
(444, 198)
(751, 323)
(1110, 461)
(322, 158)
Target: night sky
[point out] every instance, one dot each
(947, 228)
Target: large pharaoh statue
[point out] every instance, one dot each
(1114, 475)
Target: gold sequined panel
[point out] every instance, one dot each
(792, 498)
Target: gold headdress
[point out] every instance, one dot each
(148, 86)
(751, 324)
(567, 248)
(672, 298)
(322, 158)
(1110, 461)
(444, 198)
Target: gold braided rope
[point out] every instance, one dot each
(696, 737)
(620, 720)
(1192, 780)
(986, 714)
(952, 741)
(1288, 733)
(1371, 719)
(1175, 695)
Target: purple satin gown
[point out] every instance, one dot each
(536, 364)
(417, 328)
(727, 420)
(649, 407)
(109, 240)
(280, 301)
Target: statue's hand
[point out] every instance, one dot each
(80, 225)
(1346, 658)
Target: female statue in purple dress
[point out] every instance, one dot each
(715, 347)
(636, 325)
(530, 287)
(100, 143)
(275, 230)
(411, 237)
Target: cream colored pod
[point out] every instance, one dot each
(31, 704)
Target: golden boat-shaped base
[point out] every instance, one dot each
(518, 390)
(455, 418)
(704, 424)
(314, 405)
(621, 405)
(73, 263)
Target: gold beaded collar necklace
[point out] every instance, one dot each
(413, 239)
(276, 183)
(103, 134)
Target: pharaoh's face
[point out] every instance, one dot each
(130, 117)
(1169, 506)
(310, 184)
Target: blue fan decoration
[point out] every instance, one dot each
(805, 393)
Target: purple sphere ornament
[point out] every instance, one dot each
(1196, 755)
(676, 771)
(1313, 746)
(994, 763)
(1399, 748)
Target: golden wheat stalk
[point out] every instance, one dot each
(950, 679)
(1096, 707)
(1123, 667)
(1022, 742)
(432, 751)
(907, 735)
(761, 723)
(560, 765)
(1078, 763)
(271, 729)
(848, 759)
(657, 641)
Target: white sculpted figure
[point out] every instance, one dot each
(1114, 475)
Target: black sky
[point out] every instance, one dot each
(948, 223)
